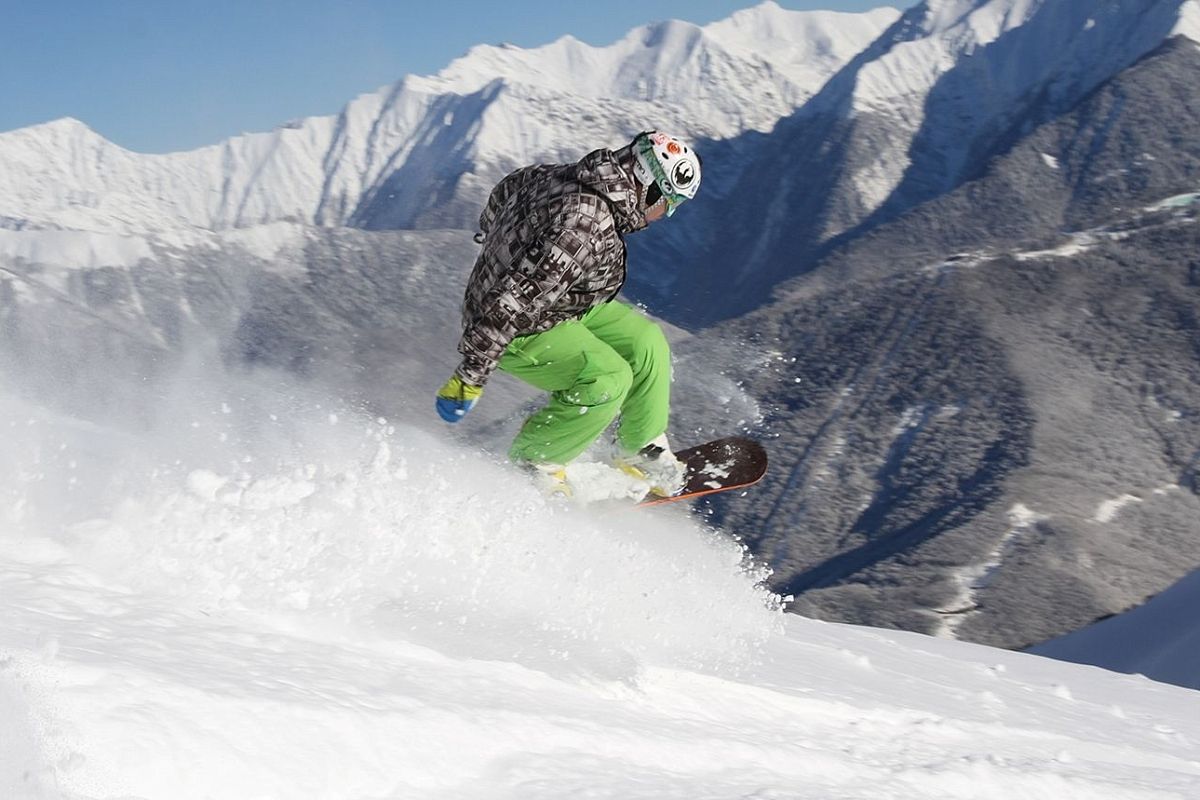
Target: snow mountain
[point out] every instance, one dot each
(1157, 639)
(948, 87)
(984, 411)
(899, 96)
(931, 473)
(420, 152)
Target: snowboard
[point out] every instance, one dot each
(717, 466)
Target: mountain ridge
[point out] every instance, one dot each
(323, 170)
(923, 129)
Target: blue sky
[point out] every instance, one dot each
(163, 75)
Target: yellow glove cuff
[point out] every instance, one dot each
(456, 389)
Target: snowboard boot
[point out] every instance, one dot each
(550, 479)
(656, 465)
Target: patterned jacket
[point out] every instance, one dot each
(552, 249)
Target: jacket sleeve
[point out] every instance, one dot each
(519, 300)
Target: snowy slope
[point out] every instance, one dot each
(485, 111)
(1189, 21)
(274, 598)
(1159, 639)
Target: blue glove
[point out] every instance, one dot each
(456, 398)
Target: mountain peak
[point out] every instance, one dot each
(63, 126)
(65, 139)
(791, 41)
(1189, 21)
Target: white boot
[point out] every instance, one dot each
(657, 465)
(551, 479)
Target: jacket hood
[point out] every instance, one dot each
(609, 173)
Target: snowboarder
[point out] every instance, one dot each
(541, 305)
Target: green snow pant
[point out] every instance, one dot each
(613, 361)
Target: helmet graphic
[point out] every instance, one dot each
(665, 162)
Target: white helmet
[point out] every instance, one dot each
(665, 162)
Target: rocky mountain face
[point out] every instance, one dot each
(984, 414)
(952, 250)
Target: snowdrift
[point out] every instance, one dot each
(255, 501)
